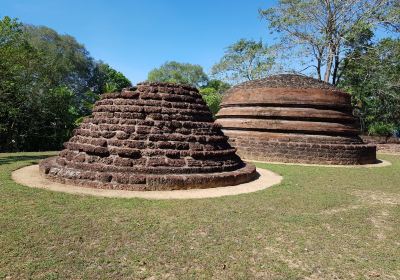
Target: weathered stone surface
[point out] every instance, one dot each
(384, 144)
(292, 118)
(156, 136)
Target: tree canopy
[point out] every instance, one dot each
(47, 82)
(372, 76)
(245, 60)
(317, 32)
(212, 94)
(106, 79)
(176, 72)
(64, 61)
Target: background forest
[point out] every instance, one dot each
(49, 81)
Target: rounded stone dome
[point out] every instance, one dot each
(293, 118)
(156, 136)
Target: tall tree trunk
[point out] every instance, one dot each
(319, 67)
(328, 65)
(329, 36)
(335, 69)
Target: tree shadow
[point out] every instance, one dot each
(12, 159)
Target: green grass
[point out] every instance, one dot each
(320, 223)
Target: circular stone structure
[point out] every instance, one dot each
(156, 136)
(294, 119)
(30, 176)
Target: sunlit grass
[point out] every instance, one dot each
(320, 222)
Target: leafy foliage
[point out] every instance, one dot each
(175, 72)
(372, 76)
(212, 94)
(212, 98)
(381, 129)
(315, 32)
(46, 82)
(245, 60)
(64, 61)
(218, 85)
(106, 79)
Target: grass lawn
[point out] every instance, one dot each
(320, 223)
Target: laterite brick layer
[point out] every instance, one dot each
(156, 136)
(292, 118)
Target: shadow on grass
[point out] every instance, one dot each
(11, 159)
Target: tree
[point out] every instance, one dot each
(318, 30)
(65, 62)
(391, 20)
(33, 113)
(47, 120)
(45, 86)
(105, 79)
(372, 76)
(218, 85)
(18, 61)
(212, 94)
(212, 99)
(175, 72)
(245, 60)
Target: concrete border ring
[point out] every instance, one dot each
(30, 176)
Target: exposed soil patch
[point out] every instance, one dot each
(378, 197)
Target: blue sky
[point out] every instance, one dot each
(136, 36)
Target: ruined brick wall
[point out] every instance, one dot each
(291, 118)
(383, 144)
(388, 148)
(155, 136)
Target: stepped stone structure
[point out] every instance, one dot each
(293, 118)
(156, 136)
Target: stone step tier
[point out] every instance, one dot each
(155, 136)
(292, 118)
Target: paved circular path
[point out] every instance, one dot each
(30, 176)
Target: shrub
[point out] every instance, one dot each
(381, 129)
(212, 98)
